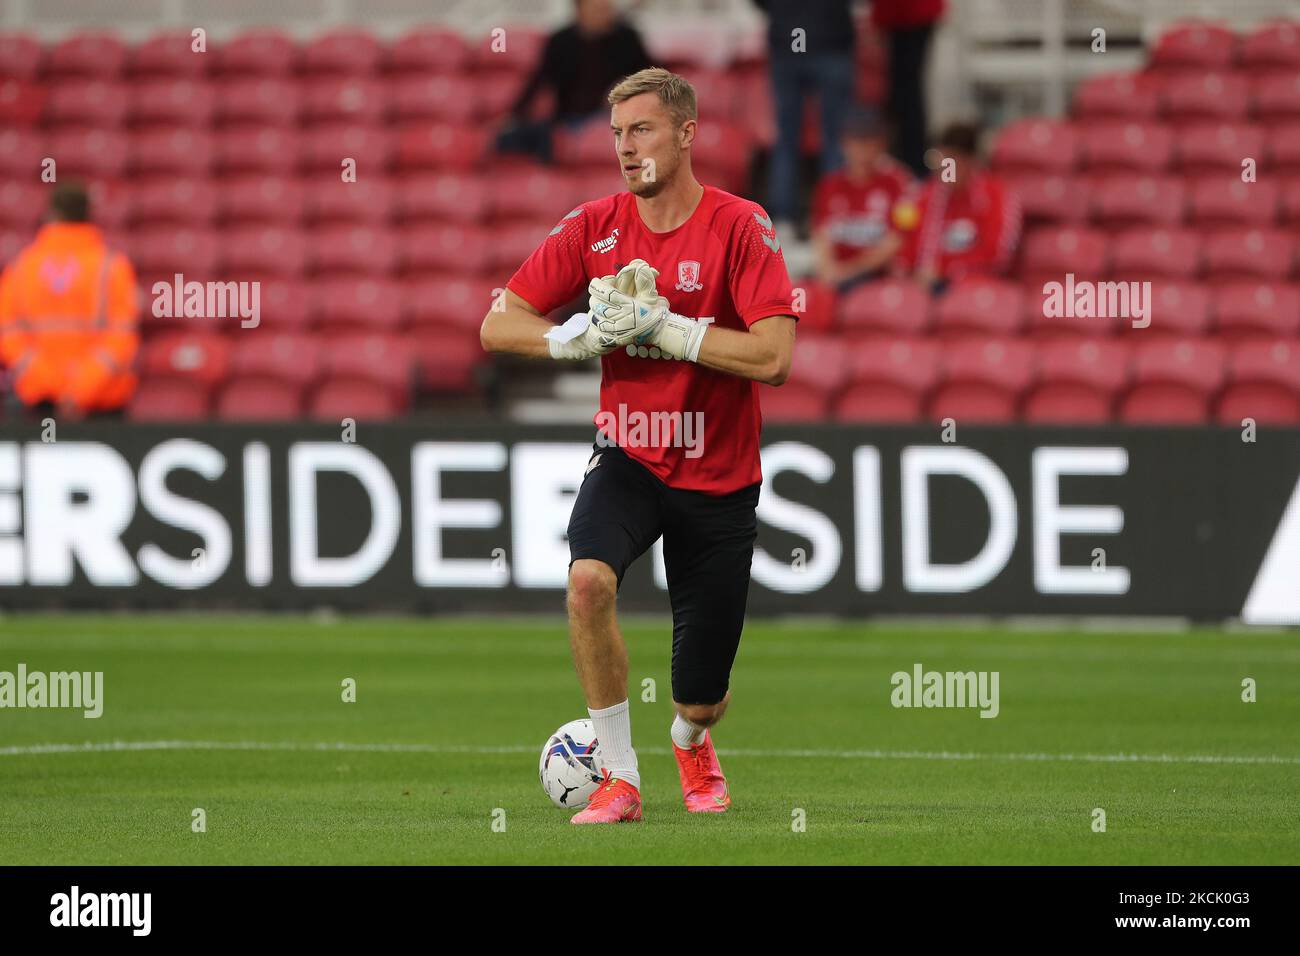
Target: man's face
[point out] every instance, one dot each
(649, 148)
(862, 152)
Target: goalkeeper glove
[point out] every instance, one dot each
(630, 310)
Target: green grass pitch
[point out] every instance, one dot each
(242, 716)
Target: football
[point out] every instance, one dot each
(570, 765)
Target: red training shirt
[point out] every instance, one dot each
(723, 262)
(856, 214)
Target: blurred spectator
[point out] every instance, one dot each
(811, 51)
(853, 238)
(579, 64)
(963, 221)
(908, 26)
(68, 310)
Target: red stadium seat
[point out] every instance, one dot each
(1122, 199)
(1066, 323)
(172, 151)
(513, 243)
(262, 199)
(325, 146)
(173, 103)
(1117, 96)
(21, 151)
(337, 399)
(1117, 146)
(280, 356)
(1226, 200)
(260, 399)
(446, 364)
(440, 146)
(1272, 46)
(346, 52)
(1263, 384)
(87, 102)
(365, 376)
(885, 306)
(263, 52)
(1195, 45)
(793, 403)
(1052, 197)
(1283, 149)
(464, 249)
(264, 100)
(354, 250)
(1144, 253)
(1049, 252)
(90, 154)
(168, 55)
(285, 304)
(1249, 254)
(980, 306)
(437, 98)
(1276, 97)
(589, 145)
(257, 149)
(98, 54)
(1218, 148)
(889, 381)
(449, 300)
(1255, 309)
(202, 356)
(1174, 381)
(983, 380)
(718, 145)
(1178, 308)
(1045, 145)
(1290, 201)
(514, 48)
(369, 200)
(444, 197)
(22, 204)
(164, 250)
(331, 99)
(265, 251)
(539, 194)
(820, 362)
(1205, 95)
(429, 50)
(21, 56)
(169, 400)
(360, 304)
(184, 200)
(113, 204)
(1079, 381)
(22, 103)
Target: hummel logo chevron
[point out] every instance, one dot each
(771, 242)
(591, 464)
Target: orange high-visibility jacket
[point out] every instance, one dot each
(68, 314)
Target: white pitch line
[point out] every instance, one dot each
(344, 747)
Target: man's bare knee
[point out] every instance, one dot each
(593, 587)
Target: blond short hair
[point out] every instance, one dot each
(675, 93)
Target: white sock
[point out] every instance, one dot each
(686, 734)
(614, 732)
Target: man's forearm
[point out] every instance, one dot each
(517, 332)
(763, 358)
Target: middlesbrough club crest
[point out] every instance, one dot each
(688, 276)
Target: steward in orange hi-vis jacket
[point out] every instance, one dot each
(68, 312)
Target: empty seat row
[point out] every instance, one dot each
(269, 52)
(1078, 380)
(1117, 199)
(1148, 252)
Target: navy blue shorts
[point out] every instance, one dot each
(623, 508)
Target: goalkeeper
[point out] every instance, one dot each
(690, 308)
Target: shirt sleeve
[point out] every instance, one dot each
(554, 274)
(758, 279)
